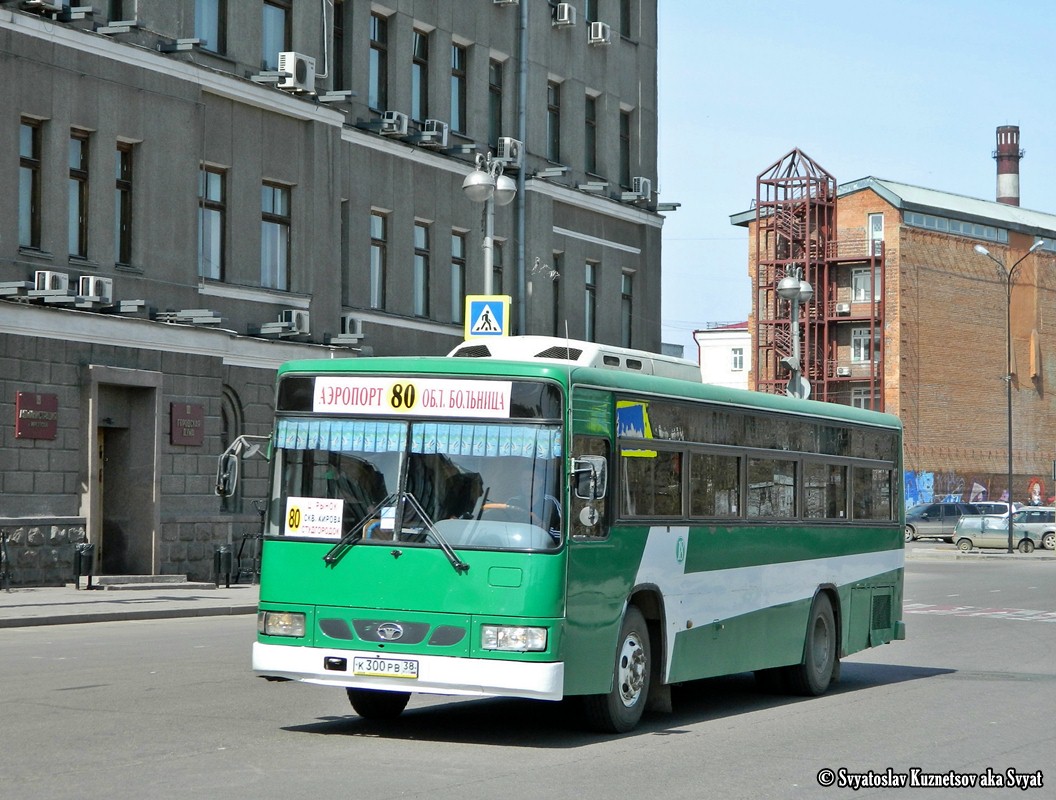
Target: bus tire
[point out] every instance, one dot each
(820, 657)
(621, 708)
(373, 704)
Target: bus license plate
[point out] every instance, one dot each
(385, 668)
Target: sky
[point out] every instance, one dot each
(904, 91)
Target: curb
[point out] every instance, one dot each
(129, 614)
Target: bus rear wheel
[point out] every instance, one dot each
(621, 708)
(820, 657)
(372, 704)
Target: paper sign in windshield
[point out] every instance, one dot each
(314, 517)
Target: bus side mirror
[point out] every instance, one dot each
(590, 477)
(227, 474)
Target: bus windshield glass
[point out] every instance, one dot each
(474, 484)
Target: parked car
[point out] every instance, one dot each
(1031, 527)
(936, 520)
(995, 507)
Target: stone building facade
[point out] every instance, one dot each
(177, 225)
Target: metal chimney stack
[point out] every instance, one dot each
(1008, 155)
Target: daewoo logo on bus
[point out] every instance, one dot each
(390, 631)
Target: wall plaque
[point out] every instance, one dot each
(187, 424)
(36, 415)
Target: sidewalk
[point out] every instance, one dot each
(62, 605)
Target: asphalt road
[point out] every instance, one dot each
(169, 709)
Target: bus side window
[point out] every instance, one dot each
(588, 518)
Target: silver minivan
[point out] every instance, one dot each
(1031, 527)
(935, 520)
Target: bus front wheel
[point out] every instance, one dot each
(620, 710)
(820, 658)
(372, 704)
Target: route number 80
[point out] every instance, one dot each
(402, 396)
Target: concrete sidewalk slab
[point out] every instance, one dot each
(64, 605)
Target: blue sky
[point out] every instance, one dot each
(907, 91)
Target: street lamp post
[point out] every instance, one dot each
(486, 184)
(1009, 274)
(797, 291)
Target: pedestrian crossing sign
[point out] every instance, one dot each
(487, 315)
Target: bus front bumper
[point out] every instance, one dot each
(475, 677)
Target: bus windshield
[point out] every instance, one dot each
(478, 485)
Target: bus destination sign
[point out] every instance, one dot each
(412, 396)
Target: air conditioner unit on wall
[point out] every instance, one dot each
(505, 2)
(843, 372)
(564, 15)
(643, 187)
(46, 280)
(300, 72)
(298, 319)
(96, 287)
(434, 133)
(393, 123)
(843, 309)
(510, 152)
(599, 33)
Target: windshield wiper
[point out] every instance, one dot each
(355, 533)
(456, 562)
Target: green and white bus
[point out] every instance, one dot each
(542, 518)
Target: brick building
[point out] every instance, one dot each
(199, 190)
(909, 318)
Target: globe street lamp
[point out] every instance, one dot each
(486, 184)
(1009, 274)
(796, 290)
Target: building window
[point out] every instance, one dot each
(975, 230)
(421, 269)
(553, 121)
(494, 102)
(625, 149)
(458, 277)
(590, 301)
(737, 359)
(275, 38)
(863, 397)
(340, 82)
(420, 77)
(590, 135)
(378, 258)
(210, 24)
(458, 88)
(626, 308)
(78, 210)
(115, 10)
(275, 237)
(212, 210)
(123, 204)
(876, 233)
(559, 328)
(861, 351)
(590, 10)
(378, 78)
(29, 184)
(625, 18)
(865, 285)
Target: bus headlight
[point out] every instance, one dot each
(518, 638)
(280, 623)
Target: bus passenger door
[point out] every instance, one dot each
(597, 583)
